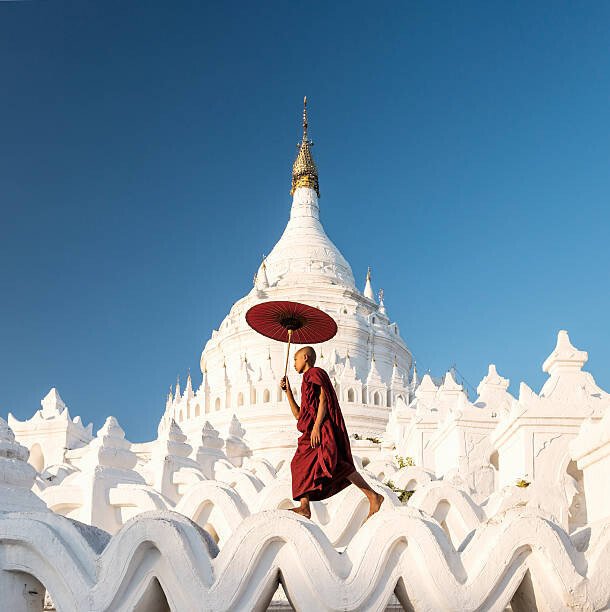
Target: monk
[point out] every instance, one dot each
(322, 464)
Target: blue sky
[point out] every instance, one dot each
(145, 158)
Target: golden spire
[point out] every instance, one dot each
(304, 171)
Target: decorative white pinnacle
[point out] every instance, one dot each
(449, 384)
(414, 378)
(16, 475)
(188, 392)
(170, 430)
(426, 391)
(381, 304)
(9, 448)
(374, 377)
(52, 404)
(235, 428)
(368, 288)
(565, 357)
(111, 429)
(492, 380)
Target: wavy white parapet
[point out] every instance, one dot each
(519, 557)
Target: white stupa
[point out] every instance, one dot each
(367, 360)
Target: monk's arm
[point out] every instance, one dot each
(315, 436)
(296, 409)
(321, 409)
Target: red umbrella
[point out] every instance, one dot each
(291, 322)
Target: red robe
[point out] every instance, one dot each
(322, 471)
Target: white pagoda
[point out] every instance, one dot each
(367, 360)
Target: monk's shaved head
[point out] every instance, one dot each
(304, 359)
(307, 351)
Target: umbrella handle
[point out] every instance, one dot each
(288, 352)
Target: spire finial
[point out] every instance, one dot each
(382, 309)
(368, 287)
(304, 170)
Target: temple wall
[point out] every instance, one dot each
(506, 505)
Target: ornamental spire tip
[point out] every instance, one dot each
(304, 170)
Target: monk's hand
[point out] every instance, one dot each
(284, 384)
(314, 438)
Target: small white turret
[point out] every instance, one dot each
(188, 391)
(368, 287)
(52, 405)
(170, 469)
(381, 304)
(397, 379)
(374, 377)
(50, 432)
(16, 475)
(565, 357)
(426, 392)
(413, 384)
(210, 450)
(493, 392)
(178, 394)
(348, 364)
(236, 448)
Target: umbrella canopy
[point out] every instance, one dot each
(306, 324)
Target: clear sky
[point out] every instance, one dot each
(145, 157)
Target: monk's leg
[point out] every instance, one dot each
(303, 509)
(375, 499)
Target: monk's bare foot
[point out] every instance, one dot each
(375, 505)
(306, 512)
